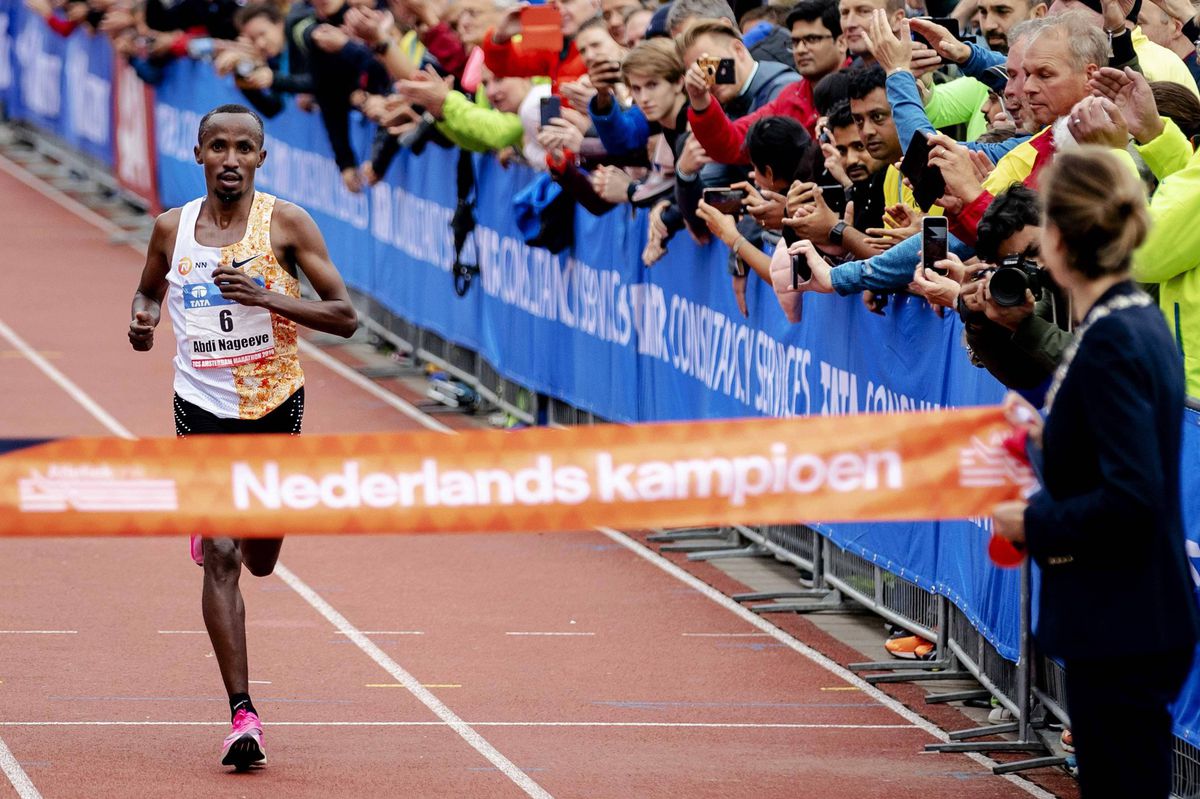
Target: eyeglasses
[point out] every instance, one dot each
(811, 40)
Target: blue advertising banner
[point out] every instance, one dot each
(62, 85)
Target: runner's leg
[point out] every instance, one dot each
(225, 612)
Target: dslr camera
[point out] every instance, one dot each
(1013, 276)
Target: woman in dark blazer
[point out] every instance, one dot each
(1117, 604)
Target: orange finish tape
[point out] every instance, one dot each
(936, 465)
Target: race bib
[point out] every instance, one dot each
(221, 332)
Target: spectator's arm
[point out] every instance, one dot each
(890, 271)
(509, 60)
(293, 83)
(980, 61)
(620, 130)
(336, 116)
(723, 138)
(266, 103)
(473, 127)
(1173, 245)
(1168, 153)
(908, 111)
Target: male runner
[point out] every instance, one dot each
(228, 264)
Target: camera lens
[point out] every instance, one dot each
(1008, 286)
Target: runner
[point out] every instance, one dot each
(228, 265)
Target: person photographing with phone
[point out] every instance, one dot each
(547, 45)
(1106, 527)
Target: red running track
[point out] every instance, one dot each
(573, 665)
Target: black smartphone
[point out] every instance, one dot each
(727, 201)
(834, 196)
(725, 73)
(551, 109)
(927, 182)
(934, 241)
(949, 23)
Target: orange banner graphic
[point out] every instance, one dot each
(939, 465)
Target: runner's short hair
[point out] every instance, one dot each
(229, 108)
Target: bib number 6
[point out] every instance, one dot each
(226, 319)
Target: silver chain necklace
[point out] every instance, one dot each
(1098, 311)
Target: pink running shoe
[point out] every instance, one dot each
(197, 545)
(243, 746)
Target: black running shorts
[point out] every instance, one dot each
(192, 420)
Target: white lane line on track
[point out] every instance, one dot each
(715, 725)
(384, 632)
(183, 632)
(473, 738)
(39, 632)
(816, 657)
(423, 694)
(16, 775)
(725, 635)
(65, 383)
(562, 634)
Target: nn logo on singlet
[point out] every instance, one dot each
(65, 487)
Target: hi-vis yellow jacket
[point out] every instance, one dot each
(1170, 256)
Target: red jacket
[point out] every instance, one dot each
(510, 60)
(724, 140)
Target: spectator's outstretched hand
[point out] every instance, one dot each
(116, 20)
(1181, 10)
(767, 207)
(509, 24)
(891, 52)
(426, 88)
(833, 165)
(822, 273)
(612, 183)
(1129, 90)
(939, 38)
(813, 222)
(723, 226)
(656, 235)
(329, 39)
(692, 157)
(560, 135)
(1097, 120)
(369, 24)
(352, 179)
(957, 167)
(578, 93)
(695, 83)
(939, 290)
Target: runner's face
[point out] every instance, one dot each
(231, 151)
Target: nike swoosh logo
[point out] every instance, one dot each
(239, 264)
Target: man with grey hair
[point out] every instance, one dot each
(772, 43)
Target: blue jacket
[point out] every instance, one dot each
(621, 130)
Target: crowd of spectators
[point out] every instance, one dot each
(777, 132)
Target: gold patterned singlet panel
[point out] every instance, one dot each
(264, 385)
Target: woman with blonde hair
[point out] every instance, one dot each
(1106, 528)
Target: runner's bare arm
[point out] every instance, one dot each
(297, 242)
(147, 300)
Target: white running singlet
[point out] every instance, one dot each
(233, 360)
